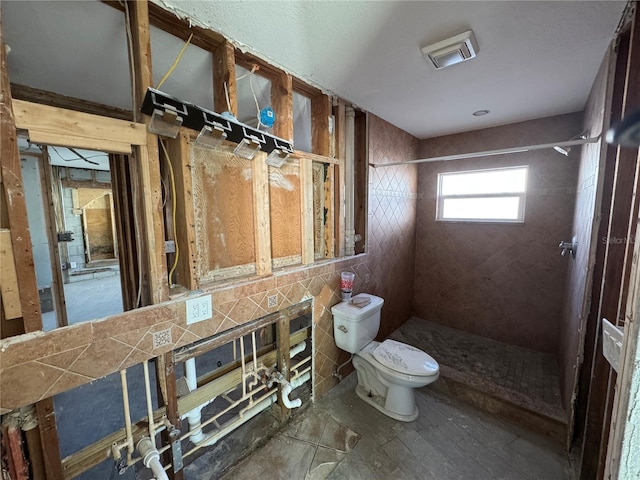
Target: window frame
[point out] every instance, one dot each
(440, 198)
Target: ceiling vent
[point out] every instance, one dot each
(453, 50)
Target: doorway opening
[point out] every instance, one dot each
(74, 232)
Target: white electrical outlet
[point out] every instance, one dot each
(272, 301)
(199, 309)
(161, 338)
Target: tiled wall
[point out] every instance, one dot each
(505, 282)
(40, 365)
(585, 226)
(392, 217)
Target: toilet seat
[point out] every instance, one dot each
(404, 358)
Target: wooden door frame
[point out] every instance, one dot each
(50, 215)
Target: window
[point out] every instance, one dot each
(495, 195)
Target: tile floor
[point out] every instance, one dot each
(341, 437)
(518, 375)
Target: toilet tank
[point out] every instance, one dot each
(354, 327)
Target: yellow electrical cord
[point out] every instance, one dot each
(175, 63)
(173, 212)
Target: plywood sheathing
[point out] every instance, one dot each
(223, 208)
(285, 214)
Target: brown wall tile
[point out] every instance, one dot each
(586, 218)
(505, 282)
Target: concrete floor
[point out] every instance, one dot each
(341, 437)
(89, 300)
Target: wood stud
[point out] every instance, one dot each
(224, 79)
(14, 202)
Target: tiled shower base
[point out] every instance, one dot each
(489, 373)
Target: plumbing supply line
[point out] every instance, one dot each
(336, 373)
(256, 379)
(261, 405)
(147, 391)
(294, 369)
(127, 415)
(255, 356)
(230, 407)
(151, 458)
(295, 381)
(244, 369)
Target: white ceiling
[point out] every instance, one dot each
(535, 58)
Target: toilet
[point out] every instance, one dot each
(389, 371)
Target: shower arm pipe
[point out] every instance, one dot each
(489, 153)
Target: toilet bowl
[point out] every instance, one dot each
(388, 372)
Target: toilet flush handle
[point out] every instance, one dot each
(342, 328)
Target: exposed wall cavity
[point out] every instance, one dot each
(585, 227)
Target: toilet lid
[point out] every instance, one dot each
(405, 358)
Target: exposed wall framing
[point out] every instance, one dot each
(281, 221)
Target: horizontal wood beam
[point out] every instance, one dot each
(69, 128)
(317, 158)
(52, 99)
(169, 22)
(84, 184)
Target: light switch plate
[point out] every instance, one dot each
(199, 309)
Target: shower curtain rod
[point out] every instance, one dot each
(488, 153)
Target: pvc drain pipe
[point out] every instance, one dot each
(194, 416)
(151, 458)
(249, 414)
